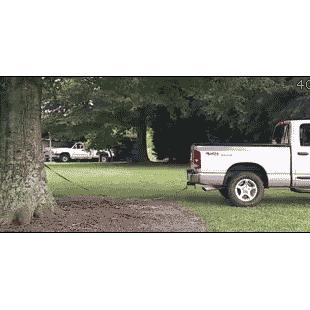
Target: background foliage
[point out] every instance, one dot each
(179, 111)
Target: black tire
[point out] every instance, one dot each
(253, 191)
(64, 158)
(224, 192)
(103, 159)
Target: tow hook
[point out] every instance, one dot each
(190, 184)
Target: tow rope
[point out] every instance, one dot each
(183, 189)
(175, 193)
(61, 176)
(87, 189)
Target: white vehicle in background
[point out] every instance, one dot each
(78, 152)
(242, 172)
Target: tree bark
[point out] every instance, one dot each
(23, 188)
(141, 138)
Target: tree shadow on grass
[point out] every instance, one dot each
(286, 200)
(219, 201)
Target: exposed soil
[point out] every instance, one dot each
(101, 214)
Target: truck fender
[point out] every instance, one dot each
(247, 166)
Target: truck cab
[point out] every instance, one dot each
(241, 172)
(296, 134)
(79, 151)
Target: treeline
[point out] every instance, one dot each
(180, 111)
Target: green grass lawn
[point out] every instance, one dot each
(281, 210)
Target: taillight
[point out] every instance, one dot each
(196, 159)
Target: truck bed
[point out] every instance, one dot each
(216, 159)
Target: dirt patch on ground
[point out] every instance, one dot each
(100, 214)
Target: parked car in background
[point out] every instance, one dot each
(242, 172)
(126, 150)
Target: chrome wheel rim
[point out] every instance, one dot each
(246, 190)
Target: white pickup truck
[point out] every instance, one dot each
(78, 152)
(242, 172)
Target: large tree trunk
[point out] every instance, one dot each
(141, 138)
(23, 189)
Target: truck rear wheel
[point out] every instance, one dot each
(104, 159)
(245, 189)
(64, 158)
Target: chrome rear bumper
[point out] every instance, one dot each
(211, 181)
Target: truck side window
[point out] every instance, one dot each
(281, 134)
(305, 135)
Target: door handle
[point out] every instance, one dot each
(303, 153)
